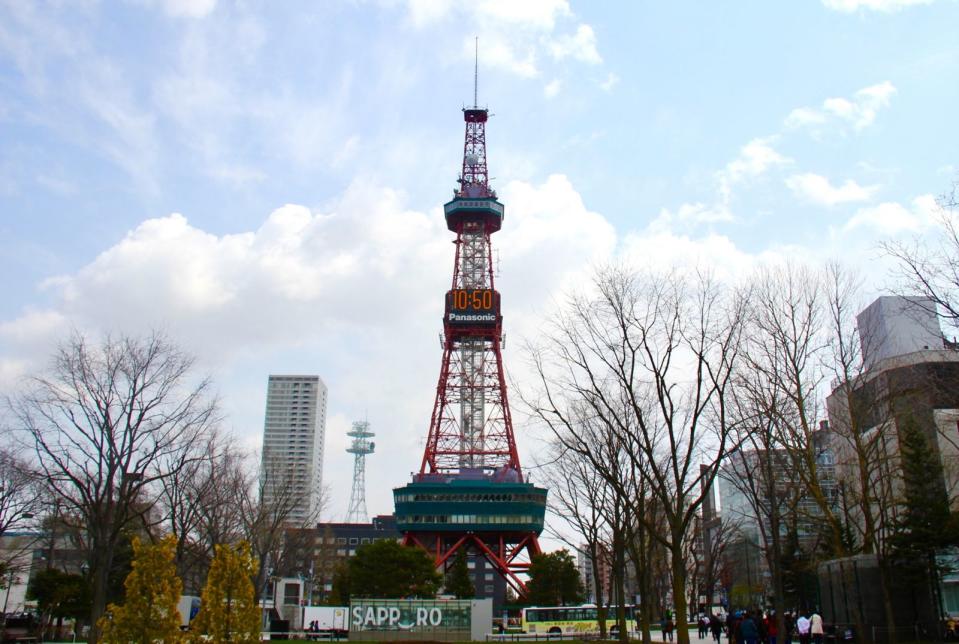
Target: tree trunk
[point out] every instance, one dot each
(678, 570)
(101, 563)
(598, 589)
(640, 568)
(887, 605)
(619, 569)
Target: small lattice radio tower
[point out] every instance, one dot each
(359, 448)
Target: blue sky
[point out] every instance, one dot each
(263, 180)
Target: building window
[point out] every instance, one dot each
(291, 594)
(489, 576)
(341, 540)
(489, 588)
(354, 541)
(471, 564)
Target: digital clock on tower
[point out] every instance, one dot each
(479, 306)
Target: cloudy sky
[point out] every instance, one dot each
(263, 180)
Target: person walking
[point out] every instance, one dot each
(771, 630)
(716, 628)
(802, 628)
(703, 627)
(732, 619)
(749, 630)
(789, 623)
(815, 628)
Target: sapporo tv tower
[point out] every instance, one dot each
(470, 492)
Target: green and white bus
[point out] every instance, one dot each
(571, 619)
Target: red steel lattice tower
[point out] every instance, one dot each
(470, 491)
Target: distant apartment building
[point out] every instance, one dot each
(584, 561)
(748, 498)
(293, 433)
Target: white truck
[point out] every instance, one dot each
(188, 606)
(326, 621)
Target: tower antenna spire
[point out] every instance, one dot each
(476, 71)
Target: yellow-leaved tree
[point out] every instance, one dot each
(228, 611)
(149, 611)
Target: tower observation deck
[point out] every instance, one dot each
(470, 491)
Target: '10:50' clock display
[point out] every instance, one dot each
(471, 302)
(476, 299)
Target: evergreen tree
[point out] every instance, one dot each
(149, 612)
(390, 570)
(59, 595)
(554, 580)
(228, 610)
(458, 580)
(340, 594)
(925, 526)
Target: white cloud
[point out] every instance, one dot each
(515, 36)
(552, 88)
(502, 52)
(886, 6)
(579, 46)
(424, 12)
(892, 218)
(541, 14)
(688, 217)
(189, 8)
(817, 189)
(718, 253)
(804, 116)
(860, 111)
(303, 273)
(753, 160)
(611, 81)
(535, 14)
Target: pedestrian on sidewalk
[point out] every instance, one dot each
(749, 629)
(716, 627)
(802, 628)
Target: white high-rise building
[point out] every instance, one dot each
(293, 435)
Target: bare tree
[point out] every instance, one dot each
(21, 492)
(802, 334)
(578, 497)
(102, 421)
(196, 503)
(761, 473)
(714, 552)
(270, 503)
(864, 434)
(932, 269)
(651, 358)
(22, 496)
